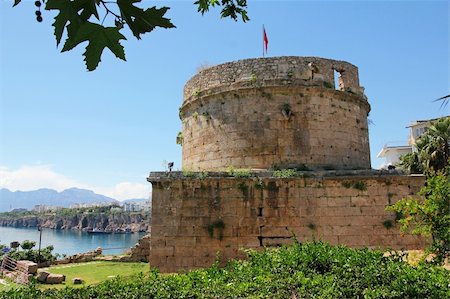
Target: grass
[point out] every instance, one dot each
(4, 287)
(95, 272)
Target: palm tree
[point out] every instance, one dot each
(433, 146)
(445, 100)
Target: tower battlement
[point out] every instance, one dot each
(285, 112)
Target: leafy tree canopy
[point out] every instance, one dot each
(429, 215)
(433, 149)
(83, 21)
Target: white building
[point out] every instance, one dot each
(392, 154)
(418, 127)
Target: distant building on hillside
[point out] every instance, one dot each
(90, 205)
(19, 210)
(45, 208)
(136, 206)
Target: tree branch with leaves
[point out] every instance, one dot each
(80, 20)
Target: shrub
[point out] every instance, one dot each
(285, 173)
(429, 216)
(239, 173)
(309, 270)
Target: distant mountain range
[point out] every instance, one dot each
(28, 199)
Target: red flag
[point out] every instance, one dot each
(265, 40)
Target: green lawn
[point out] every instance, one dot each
(94, 272)
(3, 287)
(8, 285)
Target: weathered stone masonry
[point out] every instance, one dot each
(274, 112)
(193, 219)
(260, 114)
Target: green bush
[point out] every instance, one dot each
(33, 255)
(310, 270)
(285, 173)
(428, 216)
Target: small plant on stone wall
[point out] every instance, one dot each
(285, 173)
(242, 173)
(388, 224)
(244, 189)
(347, 184)
(180, 138)
(180, 113)
(260, 185)
(290, 74)
(203, 175)
(328, 84)
(266, 95)
(188, 173)
(286, 110)
(349, 90)
(238, 173)
(311, 226)
(253, 78)
(360, 185)
(319, 185)
(196, 92)
(230, 170)
(195, 115)
(218, 225)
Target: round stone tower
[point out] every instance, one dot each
(280, 112)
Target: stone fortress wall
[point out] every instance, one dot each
(261, 114)
(275, 112)
(193, 218)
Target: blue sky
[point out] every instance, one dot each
(61, 126)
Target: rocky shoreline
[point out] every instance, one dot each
(99, 222)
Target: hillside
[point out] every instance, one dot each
(109, 219)
(10, 200)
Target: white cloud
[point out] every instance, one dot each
(128, 190)
(34, 177)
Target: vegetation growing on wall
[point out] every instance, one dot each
(239, 173)
(285, 173)
(359, 185)
(218, 226)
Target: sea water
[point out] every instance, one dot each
(70, 242)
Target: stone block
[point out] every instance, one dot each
(42, 276)
(29, 266)
(274, 231)
(77, 280)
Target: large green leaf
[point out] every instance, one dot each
(88, 7)
(67, 14)
(141, 21)
(99, 38)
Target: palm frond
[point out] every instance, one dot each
(444, 99)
